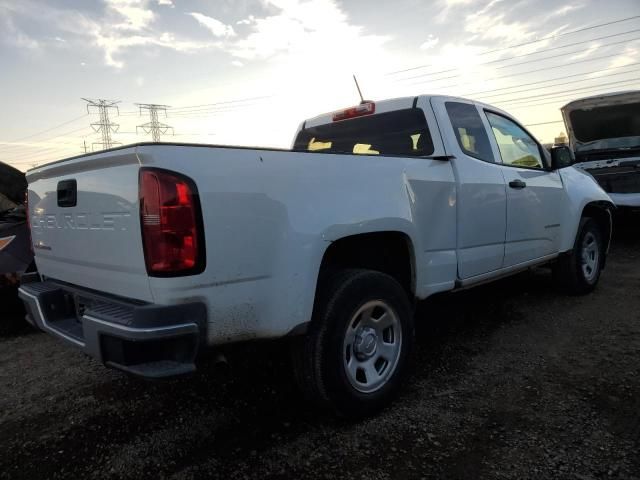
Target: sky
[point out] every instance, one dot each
(247, 72)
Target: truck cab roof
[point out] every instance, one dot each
(392, 104)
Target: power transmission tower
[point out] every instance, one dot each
(105, 126)
(154, 127)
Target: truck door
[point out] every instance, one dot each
(481, 192)
(535, 195)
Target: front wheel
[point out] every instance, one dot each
(579, 271)
(354, 356)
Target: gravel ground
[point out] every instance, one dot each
(510, 380)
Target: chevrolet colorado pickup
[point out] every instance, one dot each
(151, 252)
(604, 133)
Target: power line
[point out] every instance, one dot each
(227, 105)
(566, 53)
(154, 126)
(211, 110)
(36, 153)
(553, 79)
(104, 126)
(550, 37)
(512, 65)
(204, 113)
(43, 155)
(558, 35)
(40, 133)
(428, 74)
(562, 99)
(49, 138)
(193, 134)
(595, 39)
(226, 102)
(554, 93)
(31, 145)
(564, 65)
(559, 84)
(48, 129)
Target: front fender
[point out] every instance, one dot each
(582, 192)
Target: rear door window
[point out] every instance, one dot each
(469, 129)
(401, 132)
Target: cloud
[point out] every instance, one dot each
(237, 63)
(136, 13)
(307, 28)
(445, 7)
(630, 55)
(490, 26)
(503, 23)
(566, 9)
(429, 43)
(216, 27)
(126, 24)
(586, 52)
(455, 3)
(114, 44)
(247, 21)
(12, 35)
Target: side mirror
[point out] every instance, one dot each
(561, 157)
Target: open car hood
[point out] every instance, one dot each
(13, 186)
(604, 122)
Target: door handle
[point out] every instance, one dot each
(517, 184)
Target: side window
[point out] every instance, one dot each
(517, 148)
(469, 129)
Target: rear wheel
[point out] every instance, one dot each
(579, 272)
(354, 356)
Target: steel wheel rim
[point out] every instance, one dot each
(590, 256)
(371, 347)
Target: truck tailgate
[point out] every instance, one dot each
(85, 223)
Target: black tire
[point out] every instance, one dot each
(319, 356)
(569, 273)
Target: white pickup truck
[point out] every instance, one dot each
(149, 253)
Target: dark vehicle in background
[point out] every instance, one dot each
(604, 133)
(16, 257)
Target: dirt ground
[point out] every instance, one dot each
(509, 380)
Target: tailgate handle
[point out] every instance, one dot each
(67, 193)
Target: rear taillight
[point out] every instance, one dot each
(171, 223)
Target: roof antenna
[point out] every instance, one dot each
(362, 100)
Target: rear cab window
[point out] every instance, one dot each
(469, 130)
(400, 132)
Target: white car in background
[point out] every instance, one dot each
(604, 132)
